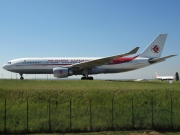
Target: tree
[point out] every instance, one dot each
(177, 76)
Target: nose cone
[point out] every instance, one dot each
(4, 66)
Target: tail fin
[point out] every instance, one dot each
(156, 75)
(154, 50)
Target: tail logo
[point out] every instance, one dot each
(155, 48)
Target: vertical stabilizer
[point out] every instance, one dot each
(156, 75)
(155, 49)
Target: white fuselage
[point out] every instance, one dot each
(64, 67)
(46, 65)
(165, 78)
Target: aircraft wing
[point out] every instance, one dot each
(101, 61)
(160, 59)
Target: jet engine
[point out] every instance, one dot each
(60, 72)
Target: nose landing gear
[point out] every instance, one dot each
(21, 78)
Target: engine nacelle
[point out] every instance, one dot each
(60, 72)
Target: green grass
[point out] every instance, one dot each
(140, 132)
(95, 105)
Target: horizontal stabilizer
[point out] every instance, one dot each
(160, 59)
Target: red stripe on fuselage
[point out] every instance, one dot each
(122, 60)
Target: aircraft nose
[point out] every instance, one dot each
(4, 66)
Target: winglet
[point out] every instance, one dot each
(134, 50)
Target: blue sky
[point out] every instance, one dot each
(88, 28)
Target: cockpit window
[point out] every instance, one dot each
(9, 62)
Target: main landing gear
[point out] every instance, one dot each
(21, 78)
(87, 78)
(85, 75)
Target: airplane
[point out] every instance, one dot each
(64, 67)
(164, 77)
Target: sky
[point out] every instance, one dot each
(88, 28)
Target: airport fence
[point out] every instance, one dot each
(26, 115)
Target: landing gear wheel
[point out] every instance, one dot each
(21, 78)
(87, 78)
(90, 78)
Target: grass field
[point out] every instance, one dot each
(142, 132)
(81, 106)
